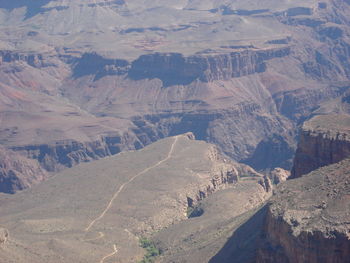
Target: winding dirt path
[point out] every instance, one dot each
(116, 194)
(111, 254)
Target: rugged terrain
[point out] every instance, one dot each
(308, 219)
(18, 172)
(110, 83)
(99, 210)
(87, 79)
(323, 140)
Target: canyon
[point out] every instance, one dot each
(78, 91)
(307, 217)
(205, 131)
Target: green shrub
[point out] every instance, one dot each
(151, 251)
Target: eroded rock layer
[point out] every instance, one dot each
(324, 140)
(122, 75)
(308, 218)
(18, 172)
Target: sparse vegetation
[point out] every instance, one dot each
(151, 251)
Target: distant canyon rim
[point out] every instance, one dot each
(264, 83)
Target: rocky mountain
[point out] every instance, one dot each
(87, 79)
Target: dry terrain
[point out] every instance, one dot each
(82, 80)
(96, 212)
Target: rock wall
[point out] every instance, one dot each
(222, 174)
(324, 140)
(176, 69)
(53, 157)
(307, 219)
(18, 172)
(308, 247)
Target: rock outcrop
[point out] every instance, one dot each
(324, 140)
(223, 174)
(18, 172)
(278, 175)
(32, 59)
(308, 218)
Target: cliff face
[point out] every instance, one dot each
(18, 172)
(308, 218)
(54, 157)
(176, 69)
(323, 140)
(34, 59)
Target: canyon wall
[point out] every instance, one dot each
(176, 69)
(18, 172)
(247, 97)
(324, 140)
(307, 219)
(54, 157)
